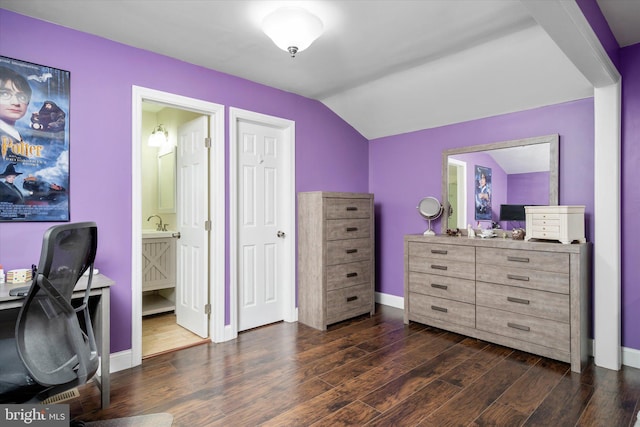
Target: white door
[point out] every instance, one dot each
(192, 296)
(260, 234)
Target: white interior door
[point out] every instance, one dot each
(260, 226)
(192, 296)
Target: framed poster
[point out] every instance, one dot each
(483, 193)
(34, 142)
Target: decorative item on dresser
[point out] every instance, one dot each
(335, 257)
(532, 296)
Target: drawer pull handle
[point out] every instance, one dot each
(438, 251)
(438, 267)
(352, 274)
(352, 208)
(351, 251)
(438, 286)
(436, 308)
(517, 259)
(518, 300)
(515, 277)
(519, 327)
(349, 299)
(352, 229)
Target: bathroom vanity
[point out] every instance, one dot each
(158, 272)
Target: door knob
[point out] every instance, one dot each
(176, 235)
(281, 234)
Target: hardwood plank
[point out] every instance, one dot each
(418, 406)
(499, 415)
(564, 405)
(477, 365)
(356, 413)
(467, 405)
(402, 387)
(529, 391)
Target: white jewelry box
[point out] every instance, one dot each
(563, 223)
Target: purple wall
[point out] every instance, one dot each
(630, 69)
(330, 155)
(412, 163)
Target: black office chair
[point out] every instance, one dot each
(53, 350)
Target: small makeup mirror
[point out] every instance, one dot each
(430, 209)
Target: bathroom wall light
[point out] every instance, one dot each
(158, 137)
(292, 29)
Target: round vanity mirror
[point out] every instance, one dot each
(430, 208)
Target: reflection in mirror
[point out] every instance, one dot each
(481, 183)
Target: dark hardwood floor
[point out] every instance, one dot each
(372, 371)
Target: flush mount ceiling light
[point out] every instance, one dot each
(158, 137)
(292, 29)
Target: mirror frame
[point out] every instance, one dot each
(554, 167)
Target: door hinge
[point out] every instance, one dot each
(207, 309)
(207, 225)
(207, 143)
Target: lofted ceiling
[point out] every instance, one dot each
(385, 66)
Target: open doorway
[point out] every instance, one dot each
(211, 268)
(166, 324)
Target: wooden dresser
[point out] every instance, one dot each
(532, 296)
(335, 257)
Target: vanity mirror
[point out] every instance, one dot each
(480, 181)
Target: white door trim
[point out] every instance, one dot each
(216, 210)
(289, 276)
(565, 23)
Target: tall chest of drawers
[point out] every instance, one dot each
(531, 296)
(335, 257)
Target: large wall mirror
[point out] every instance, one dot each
(491, 183)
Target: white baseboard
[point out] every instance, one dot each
(390, 300)
(631, 357)
(120, 361)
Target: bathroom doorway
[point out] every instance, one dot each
(157, 225)
(164, 327)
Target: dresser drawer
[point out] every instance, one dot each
(532, 329)
(350, 274)
(338, 229)
(443, 309)
(442, 252)
(546, 305)
(343, 251)
(549, 233)
(348, 302)
(347, 208)
(533, 260)
(443, 287)
(449, 268)
(523, 278)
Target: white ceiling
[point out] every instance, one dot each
(385, 66)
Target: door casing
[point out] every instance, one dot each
(217, 206)
(289, 203)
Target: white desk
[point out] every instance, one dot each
(100, 286)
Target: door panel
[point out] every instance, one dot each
(260, 249)
(193, 247)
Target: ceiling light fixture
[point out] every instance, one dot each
(292, 29)
(158, 137)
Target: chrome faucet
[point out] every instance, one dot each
(159, 225)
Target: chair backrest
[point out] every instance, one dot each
(51, 342)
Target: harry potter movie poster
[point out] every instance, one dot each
(34, 142)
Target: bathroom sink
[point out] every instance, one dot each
(153, 234)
